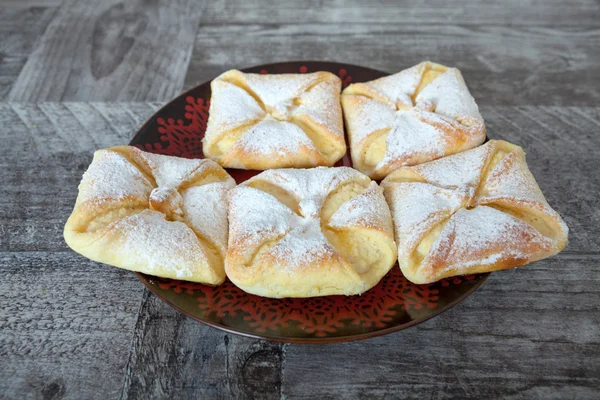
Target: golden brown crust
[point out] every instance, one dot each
(274, 121)
(160, 215)
(476, 211)
(417, 115)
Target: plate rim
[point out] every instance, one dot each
(281, 339)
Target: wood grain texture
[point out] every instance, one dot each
(109, 50)
(72, 328)
(20, 29)
(176, 357)
(46, 148)
(520, 63)
(527, 333)
(66, 326)
(429, 12)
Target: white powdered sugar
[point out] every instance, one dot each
(511, 177)
(420, 130)
(462, 169)
(230, 107)
(400, 86)
(473, 236)
(368, 209)
(171, 171)
(416, 208)
(281, 98)
(303, 246)
(450, 95)
(321, 104)
(111, 177)
(157, 244)
(205, 210)
(257, 218)
(313, 183)
(370, 117)
(279, 88)
(271, 136)
(155, 239)
(410, 137)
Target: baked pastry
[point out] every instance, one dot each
(274, 121)
(309, 232)
(476, 211)
(160, 215)
(417, 115)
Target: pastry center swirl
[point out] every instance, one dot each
(168, 201)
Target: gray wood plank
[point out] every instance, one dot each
(46, 148)
(438, 12)
(176, 357)
(20, 28)
(110, 50)
(66, 326)
(527, 333)
(502, 64)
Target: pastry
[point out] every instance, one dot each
(476, 211)
(309, 232)
(417, 115)
(160, 215)
(274, 121)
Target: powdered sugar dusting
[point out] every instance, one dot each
(301, 247)
(270, 136)
(205, 210)
(230, 108)
(460, 169)
(368, 209)
(399, 86)
(322, 104)
(411, 140)
(417, 208)
(274, 132)
(371, 116)
(512, 178)
(157, 244)
(111, 177)
(473, 237)
(257, 217)
(171, 171)
(419, 131)
(450, 95)
(275, 89)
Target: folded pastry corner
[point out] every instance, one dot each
(273, 121)
(160, 215)
(309, 232)
(417, 115)
(477, 211)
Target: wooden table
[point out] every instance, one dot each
(77, 75)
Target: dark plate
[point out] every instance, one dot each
(392, 305)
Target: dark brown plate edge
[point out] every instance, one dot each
(318, 340)
(280, 339)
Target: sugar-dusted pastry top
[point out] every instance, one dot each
(476, 211)
(161, 215)
(271, 121)
(417, 115)
(309, 232)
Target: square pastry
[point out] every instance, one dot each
(417, 115)
(272, 121)
(160, 215)
(477, 211)
(309, 232)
